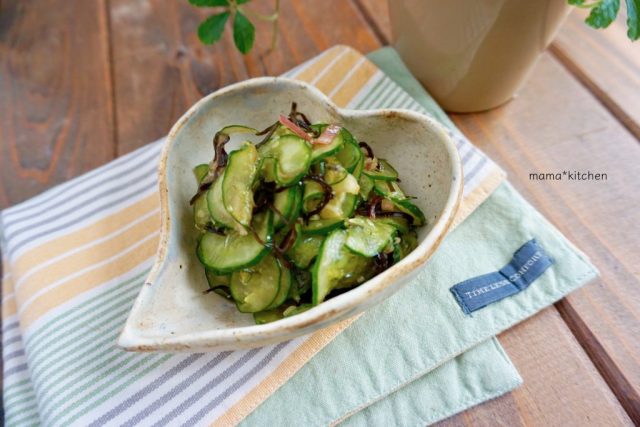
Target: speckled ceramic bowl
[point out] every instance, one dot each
(172, 313)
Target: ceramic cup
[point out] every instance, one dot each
(473, 55)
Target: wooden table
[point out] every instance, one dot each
(84, 81)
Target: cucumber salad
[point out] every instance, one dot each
(307, 213)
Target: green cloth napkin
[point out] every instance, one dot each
(417, 358)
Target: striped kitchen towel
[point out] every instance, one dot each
(75, 257)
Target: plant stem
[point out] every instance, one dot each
(274, 31)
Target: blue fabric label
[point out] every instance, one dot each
(527, 264)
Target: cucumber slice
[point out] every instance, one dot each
(201, 215)
(226, 254)
(293, 310)
(200, 172)
(285, 287)
(389, 189)
(219, 284)
(322, 226)
(368, 237)
(286, 159)
(237, 183)
(318, 168)
(217, 209)
(357, 171)
(334, 171)
(268, 169)
(336, 267)
(384, 172)
(401, 224)
(287, 203)
(216, 280)
(268, 316)
(340, 207)
(407, 243)
(350, 154)
(320, 151)
(293, 156)
(344, 199)
(254, 289)
(366, 185)
(305, 250)
(313, 195)
(405, 205)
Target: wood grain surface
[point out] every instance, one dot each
(56, 108)
(90, 80)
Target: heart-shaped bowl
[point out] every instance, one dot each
(171, 312)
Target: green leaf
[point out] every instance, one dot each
(211, 29)
(244, 33)
(603, 14)
(633, 19)
(576, 2)
(242, 1)
(209, 3)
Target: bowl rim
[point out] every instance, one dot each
(337, 307)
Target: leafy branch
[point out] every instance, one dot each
(604, 12)
(244, 32)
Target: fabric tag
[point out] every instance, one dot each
(527, 264)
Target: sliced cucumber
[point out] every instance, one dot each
(216, 280)
(318, 168)
(368, 237)
(405, 205)
(322, 226)
(305, 250)
(268, 316)
(313, 195)
(268, 169)
(286, 159)
(366, 185)
(200, 172)
(217, 209)
(344, 199)
(293, 156)
(357, 171)
(407, 243)
(384, 171)
(389, 189)
(255, 288)
(219, 284)
(401, 224)
(320, 151)
(334, 171)
(201, 215)
(336, 267)
(226, 254)
(285, 287)
(350, 154)
(287, 203)
(293, 310)
(237, 183)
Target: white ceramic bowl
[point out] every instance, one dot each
(171, 312)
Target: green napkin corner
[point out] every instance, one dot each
(417, 358)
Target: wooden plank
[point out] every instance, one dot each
(161, 68)
(607, 62)
(554, 125)
(55, 108)
(560, 384)
(376, 12)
